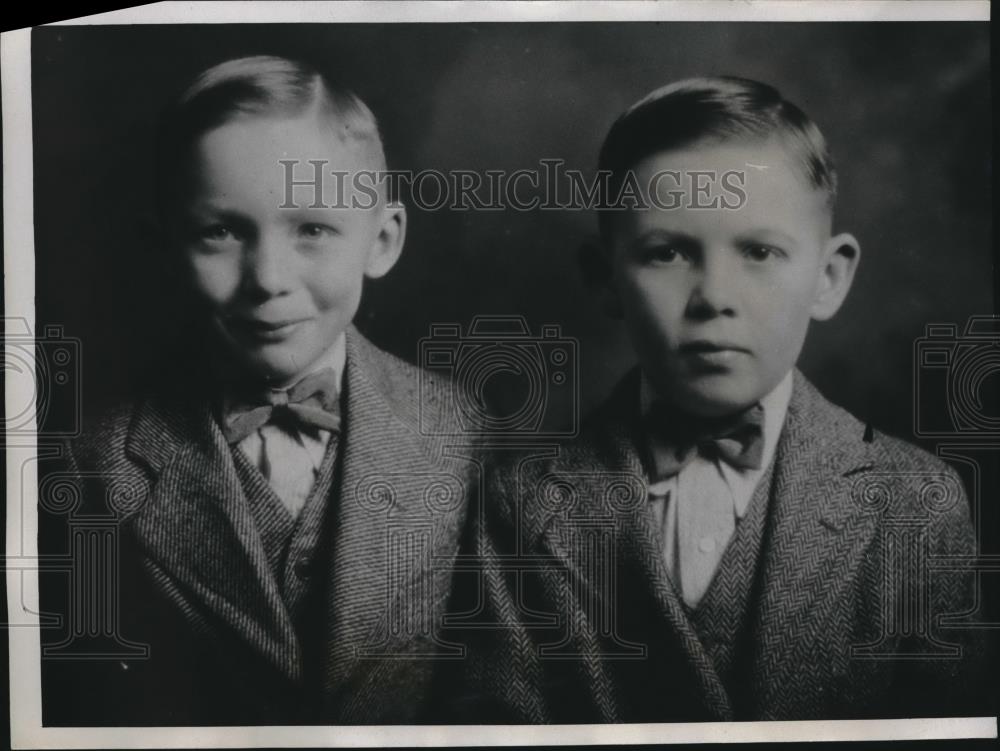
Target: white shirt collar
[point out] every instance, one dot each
(775, 410)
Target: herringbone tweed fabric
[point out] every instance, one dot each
(295, 546)
(845, 617)
(297, 549)
(197, 582)
(275, 523)
(721, 618)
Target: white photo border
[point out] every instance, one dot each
(19, 279)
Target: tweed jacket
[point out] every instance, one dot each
(860, 590)
(194, 588)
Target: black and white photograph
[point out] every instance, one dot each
(407, 373)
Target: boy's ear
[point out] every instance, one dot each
(389, 241)
(598, 272)
(840, 260)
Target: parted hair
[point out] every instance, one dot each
(259, 86)
(711, 109)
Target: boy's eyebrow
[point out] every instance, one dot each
(659, 233)
(202, 207)
(769, 233)
(198, 213)
(676, 238)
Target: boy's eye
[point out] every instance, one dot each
(314, 231)
(217, 233)
(664, 254)
(757, 252)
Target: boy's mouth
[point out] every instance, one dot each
(265, 330)
(712, 354)
(699, 346)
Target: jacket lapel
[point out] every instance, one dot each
(196, 527)
(817, 535)
(616, 434)
(401, 505)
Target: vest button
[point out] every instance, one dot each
(303, 567)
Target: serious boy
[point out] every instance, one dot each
(721, 541)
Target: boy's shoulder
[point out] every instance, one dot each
(428, 402)
(829, 428)
(121, 441)
(99, 464)
(586, 474)
(107, 427)
(885, 475)
(388, 372)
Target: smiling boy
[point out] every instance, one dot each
(721, 541)
(280, 560)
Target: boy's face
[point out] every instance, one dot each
(717, 300)
(281, 284)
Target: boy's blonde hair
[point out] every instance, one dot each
(260, 86)
(710, 109)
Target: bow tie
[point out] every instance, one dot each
(677, 437)
(312, 403)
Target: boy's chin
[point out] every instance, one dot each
(715, 399)
(278, 368)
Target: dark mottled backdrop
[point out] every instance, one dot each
(906, 108)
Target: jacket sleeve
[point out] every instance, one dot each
(497, 680)
(951, 647)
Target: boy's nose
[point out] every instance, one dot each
(714, 288)
(266, 270)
